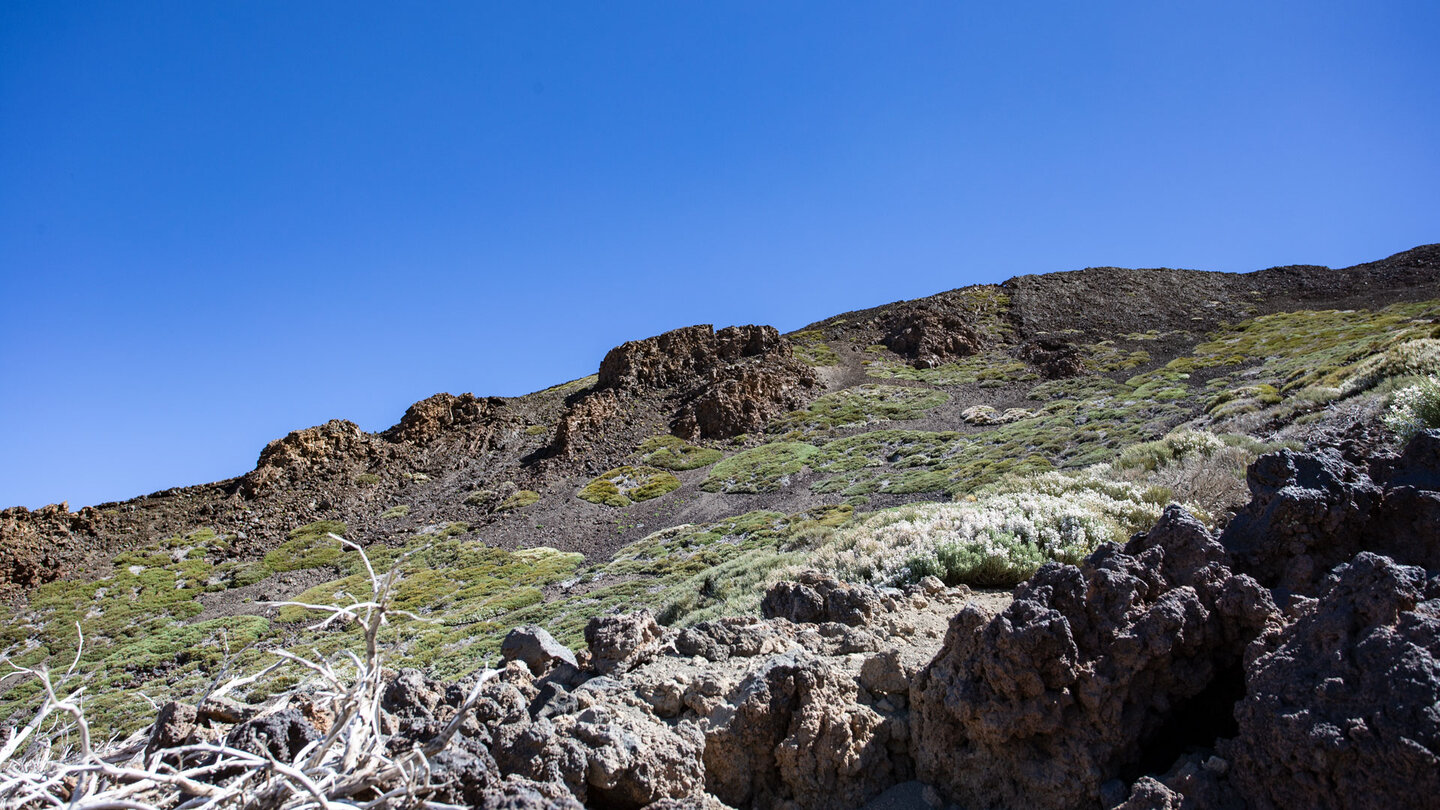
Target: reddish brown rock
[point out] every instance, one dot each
(429, 419)
(930, 337)
(338, 445)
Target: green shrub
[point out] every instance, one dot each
(673, 453)
(623, 486)
(519, 500)
(858, 406)
(766, 468)
(367, 479)
(308, 547)
(398, 511)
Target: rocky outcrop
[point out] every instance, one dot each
(744, 398)
(322, 451)
(1087, 670)
(429, 419)
(1340, 706)
(718, 383)
(1056, 358)
(815, 598)
(682, 357)
(622, 640)
(1310, 512)
(930, 336)
(36, 545)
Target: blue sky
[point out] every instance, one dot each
(223, 221)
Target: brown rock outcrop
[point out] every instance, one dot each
(930, 337)
(323, 450)
(744, 398)
(431, 418)
(1054, 357)
(681, 357)
(36, 544)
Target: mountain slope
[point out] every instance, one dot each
(697, 464)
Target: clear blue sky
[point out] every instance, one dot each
(221, 221)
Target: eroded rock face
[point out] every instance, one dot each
(429, 419)
(35, 543)
(1054, 357)
(930, 337)
(1340, 707)
(336, 446)
(681, 357)
(622, 640)
(1064, 689)
(744, 398)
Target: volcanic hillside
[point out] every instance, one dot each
(700, 465)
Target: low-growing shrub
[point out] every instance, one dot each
(397, 511)
(367, 479)
(858, 406)
(623, 486)
(1414, 408)
(519, 500)
(309, 546)
(766, 468)
(995, 538)
(673, 453)
(1413, 358)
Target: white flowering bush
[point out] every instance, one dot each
(1409, 359)
(1414, 408)
(996, 540)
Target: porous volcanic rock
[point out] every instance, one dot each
(536, 648)
(1340, 707)
(744, 398)
(337, 446)
(1054, 357)
(679, 358)
(583, 421)
(929, 336)
(1313, 511)
(1087, 670)
(433, 417)
(37, 543)
(813, 597)
(623, 639)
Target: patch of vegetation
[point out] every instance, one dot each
(1105, 356)
(367, 479)
(996, 538)
(623, 486)
(536, 430)
(309, 546)
(1414, 408)
(862, 405)
(766, 468)
(810, 347)
(988, 369)
(481, 497)
(674, 453)
(397, 511)
(518, 500)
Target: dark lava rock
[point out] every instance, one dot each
(1089, 673)
(281, 735)
(1341, 706)
(816, 598)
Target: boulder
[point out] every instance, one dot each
(281, 735)
(620, 641)
(813, 597)
(633, 759)
(536, 648)
(1340, 706)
